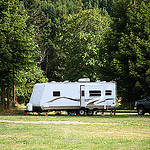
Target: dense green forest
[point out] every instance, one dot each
(45, 40)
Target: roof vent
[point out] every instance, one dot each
(67, 81)
(84, 80)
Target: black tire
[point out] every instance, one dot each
(89, 112)
(81, 112)
(141, 110)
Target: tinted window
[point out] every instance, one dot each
(82, 93)
(108, 92)
(56, 93)
(95, 93)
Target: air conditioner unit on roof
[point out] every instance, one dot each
(84, 80)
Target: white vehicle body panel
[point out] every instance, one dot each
(74, 95)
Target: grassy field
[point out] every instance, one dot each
(123, 131)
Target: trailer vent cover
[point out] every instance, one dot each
(84, 80)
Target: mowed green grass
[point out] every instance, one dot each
(130, 132)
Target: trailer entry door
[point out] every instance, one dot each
(82, 95)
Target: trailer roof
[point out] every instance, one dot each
(80, 81)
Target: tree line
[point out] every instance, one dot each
(45, 40)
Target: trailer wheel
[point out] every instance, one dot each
(89, 112)
(81, 112)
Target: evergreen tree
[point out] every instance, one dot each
(79, 39)
(43, 17)
(16, 46)
(38, 20)
(55, 13)
(25, 81)
(127, 50)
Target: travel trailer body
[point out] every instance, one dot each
(80, 97)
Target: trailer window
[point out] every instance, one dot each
(56, 93)
(108, 92)
(95, 93)
(82, 94)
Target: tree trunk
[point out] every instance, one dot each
(8, 97)
(47, 64)
(3, 95)
(14, 93)
(1, 98)
(14, 89)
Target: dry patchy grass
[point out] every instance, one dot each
(131, 132)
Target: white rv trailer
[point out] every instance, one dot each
(80, 97)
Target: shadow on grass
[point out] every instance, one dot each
(107, 115)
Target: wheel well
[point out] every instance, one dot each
(88, 109)
(82, 108)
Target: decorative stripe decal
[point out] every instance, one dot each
(92, 103)
(77, 100)
(105, 100)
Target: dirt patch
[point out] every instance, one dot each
(56, 122)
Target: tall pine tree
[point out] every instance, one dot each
(127, 50)
(16, 43)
